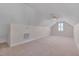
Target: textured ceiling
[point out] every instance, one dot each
(67, 11)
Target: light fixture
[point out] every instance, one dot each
(55, 17)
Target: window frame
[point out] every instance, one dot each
(60, 26)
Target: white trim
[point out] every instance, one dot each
(75, 38)
(22, 42)
(3, 41)
(25, 41)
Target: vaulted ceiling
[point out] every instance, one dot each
(66, 11)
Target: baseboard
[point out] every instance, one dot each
(2, 41)
(22, 42)
(25, 41)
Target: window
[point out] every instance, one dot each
(61, 26)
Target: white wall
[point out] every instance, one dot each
(13, 14)
(47, 22)
(17, 33)
(76, 35)
(38, 31)
(68, 30)
(8, 13)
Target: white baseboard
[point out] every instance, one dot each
(2, 41)
(25, 41)
(22, 42)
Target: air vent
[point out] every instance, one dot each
(26, 35)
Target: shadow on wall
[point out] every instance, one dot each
(68, 30)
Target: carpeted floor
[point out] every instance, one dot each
(48, 46)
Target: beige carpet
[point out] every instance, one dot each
(48, 46)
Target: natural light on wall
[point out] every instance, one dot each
(60, 26)
(60, 23)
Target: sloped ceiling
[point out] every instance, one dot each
(66, 11)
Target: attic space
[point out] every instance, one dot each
(64, 30)
(39, 29)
